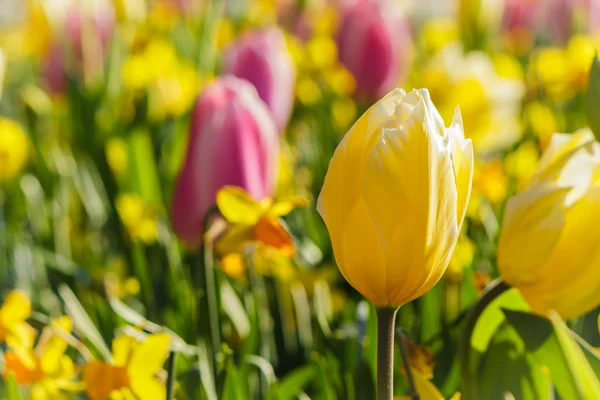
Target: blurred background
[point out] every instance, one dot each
(121, 120)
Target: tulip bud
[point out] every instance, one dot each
(262, 58)
(549, 248)
(233, 141)
(87, 39)
(374, 44)
(395, 197)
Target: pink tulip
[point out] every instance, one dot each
(261, 57)
(522, 15)
(233, 141)
(96, 47)
(374, 43)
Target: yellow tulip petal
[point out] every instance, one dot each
(533, 222)
(148, 389)
(462, 161)
(149, 356)
(573, 265)
(343, 182)
(410, 192)
(364, 265)
(567, 160)
(237, 206)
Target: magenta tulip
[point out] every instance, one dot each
(261, 57)
(232, 141)
(73, 43)
(375, 44)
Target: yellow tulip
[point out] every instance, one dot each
(395, 197)
(549, 248)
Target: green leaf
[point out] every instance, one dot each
(233, 388)
(143, 172)
(234, 309)
(82, 321)
(541, 340)
(592, 104)
(206, 376)
(294, 383)
(521, 377)
(584, 376)
(12, 387)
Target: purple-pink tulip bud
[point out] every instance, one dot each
(261, 57)
(375, 44)
(232, 141)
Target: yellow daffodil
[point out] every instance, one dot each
(421, 364)
(132, 372)
(46, 369)
(489, 102)
(395, 196)
(14, 312)
(14, 149)
(251, 221)
(139, 218)
(548, 246)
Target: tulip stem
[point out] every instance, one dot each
(386, 323)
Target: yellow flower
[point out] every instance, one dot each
(489, 102)
(395, 197)
(463, 257)
(550, 69)
(139, 218)
(491, 181)
(438, 33)
(322, 52)
(251, 221)
(47, 369)
(343, 112)
(542, 121)
(132, 372)
(548, 247)
(14, 149)
(522, 163)
(421, 364)
(116, 155)
(308, 91)
(13, 315)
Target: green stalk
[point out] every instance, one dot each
(386, 323)
(469, 384)
(171, 375)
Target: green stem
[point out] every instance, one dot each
(171, 376)
(211, 296)
(494, 289)
(386, 322)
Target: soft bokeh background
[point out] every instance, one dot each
(120, 120)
